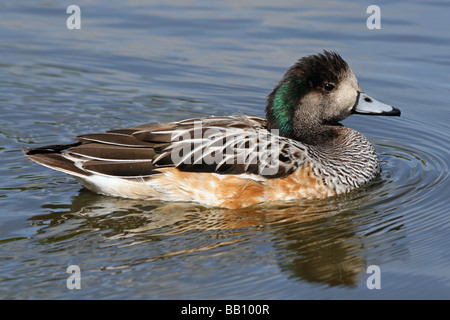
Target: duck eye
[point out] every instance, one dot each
(328, 87)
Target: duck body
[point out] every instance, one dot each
(299, 151)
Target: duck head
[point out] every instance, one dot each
(314, 95)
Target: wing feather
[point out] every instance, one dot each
(222, 145)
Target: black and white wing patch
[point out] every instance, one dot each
(238, 149)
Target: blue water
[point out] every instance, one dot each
(136, 62)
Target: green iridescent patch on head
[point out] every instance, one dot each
(284, 101)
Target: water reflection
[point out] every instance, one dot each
(326, 250)
(319, 242)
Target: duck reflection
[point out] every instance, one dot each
(314, 241)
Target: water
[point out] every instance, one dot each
(141, 62)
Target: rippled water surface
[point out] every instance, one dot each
(144, 61)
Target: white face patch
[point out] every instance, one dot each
(339, 103)
(347, 92)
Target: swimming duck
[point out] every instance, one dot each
(299, 151)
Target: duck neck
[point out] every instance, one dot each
(281, 104)
(320, 134)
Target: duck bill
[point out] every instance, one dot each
(369, 106)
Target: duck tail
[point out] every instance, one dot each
(52, 156)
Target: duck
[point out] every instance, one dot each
(300, 150)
